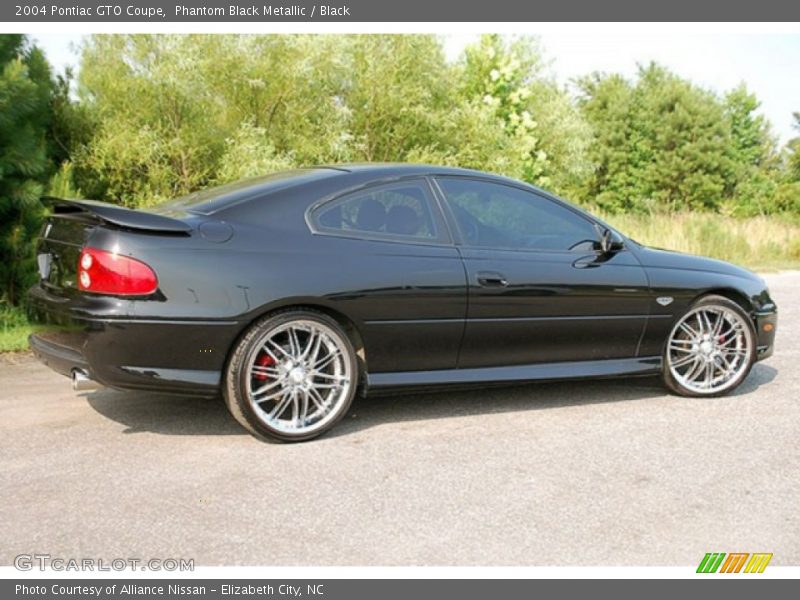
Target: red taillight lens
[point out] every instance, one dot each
(104, 272)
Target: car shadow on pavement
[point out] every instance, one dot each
(177, 415)
(163, 413)
(418, 406)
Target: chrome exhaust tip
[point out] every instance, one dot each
(81, 382)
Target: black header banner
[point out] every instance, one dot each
(40, 11)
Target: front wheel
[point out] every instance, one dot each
(292, 376)
(710, 350)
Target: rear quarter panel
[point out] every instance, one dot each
(407, 301)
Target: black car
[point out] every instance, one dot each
(290, 292)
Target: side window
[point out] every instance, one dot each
(396, 210)
(501, 216)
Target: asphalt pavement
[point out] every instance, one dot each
(587, 473)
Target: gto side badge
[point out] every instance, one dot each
(664, 300)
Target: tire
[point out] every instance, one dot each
(710, 349)
(292, 376)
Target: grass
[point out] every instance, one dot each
(758, 243)
(14, 329)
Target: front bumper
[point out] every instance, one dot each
(766, 323)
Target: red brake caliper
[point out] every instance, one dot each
(265, 360)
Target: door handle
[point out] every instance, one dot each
(492, 279)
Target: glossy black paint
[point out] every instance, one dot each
(424, 313)
(553, 308)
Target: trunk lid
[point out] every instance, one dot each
(58, 251)
(69, 226)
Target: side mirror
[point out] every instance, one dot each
(610, 242)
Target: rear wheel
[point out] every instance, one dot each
(292, 377)
(710, 350)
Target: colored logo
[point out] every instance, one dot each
(735, 562)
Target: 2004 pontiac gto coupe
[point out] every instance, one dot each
(290, 292)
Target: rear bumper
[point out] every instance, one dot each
(164, 355)
(61, 359)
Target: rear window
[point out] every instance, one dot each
(400, 210)
(211, 200)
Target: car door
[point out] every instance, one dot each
(399, 274)
(539, 288)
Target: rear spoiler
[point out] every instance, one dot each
(117, 215)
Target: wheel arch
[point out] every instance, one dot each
(731, 294)
(346, 323)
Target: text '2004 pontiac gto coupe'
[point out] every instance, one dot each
(290, 292)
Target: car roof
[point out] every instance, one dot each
(334, 178)
(399, 169)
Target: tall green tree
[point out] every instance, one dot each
(548, 137)
(163, 115)
(393, 89)
(786, 198)
(660, 142)
(620, 150)
(754, 166)
(25, 121)
(506, 115)
(793, 147)
(172, 110)
(170, 114)
(752, 143)
(157, 132)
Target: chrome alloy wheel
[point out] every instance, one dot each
(709, 349)
(298, 377)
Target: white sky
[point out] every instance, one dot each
(768, 63)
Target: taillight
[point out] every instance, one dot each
(104, 272)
